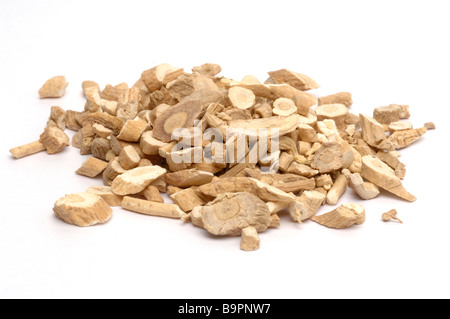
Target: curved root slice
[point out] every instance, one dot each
(343, 217)
(229, 213)
(82, 209)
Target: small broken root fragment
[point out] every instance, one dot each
(151, 193)
(392, 214)
(241, 98)
(229, 213)
(92, 167)
(343, 217)
(249, 239)
(306, 206)
(82, 209)
(344, 98)
(363, 189)
(152, 208)
(136, 180)
(27, 149)
(430, 126)
(129, 158)
(54, 139)
(54, 87)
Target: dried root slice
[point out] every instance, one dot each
(402, 139)
(109, 121)
(328, 158)
(344, 98)
(284, 107)
(284, 125)
(379, 173)
(229, 213)
(152, 194)
(207, 69)
(302, 170)
(58, 115)
(373, 133)
(152, 208)
(297, 80)
(306, 133)
(129, 158)
(92, 167)
(100, 148)
(54, 87)
(249, 239)
(163, 73)
(387, 114)
(54, 139)
(336, 112)
(343, 217)
(262, 190)
(188, 178)
(363, 189)
(187, 199)
(87, 84)
(82, 209)
(71, 122)
(398, 167)
(101, 131)
(128, 103)
(400, 126)
(306, 206)
(112, 93)
(113, 170)
(107, 194)
(132, 130)
(181, 116)
(391, 215)
(136, 180)
(27, 149)
(338, 189)
(324, 181)
(150, 145)
(276, 207)
(274, 221)
(241, 98)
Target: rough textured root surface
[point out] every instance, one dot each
(229, 213)
(136, 180)
(343, 217)
(82, 209)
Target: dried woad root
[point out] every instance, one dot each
(130, 134)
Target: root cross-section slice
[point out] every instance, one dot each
(181, 116)
(82, 209)
(241, 98)
(297, 80)
(136, 180)
(229, 213)
(343, 217)
(379, 173)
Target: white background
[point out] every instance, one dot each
(383, 52)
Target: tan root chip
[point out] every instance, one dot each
(344, 98)
(54, 139)
(402, 139)
(336, 112)
(429, 126)
(132, 130)
(187, 199)
(363, 189)
(92, 167)
(297, 80)
(229, 213)
(58, 115)
(387, 114)
(136, 180)
(128, 103)
(149, 144)
(400, 126)
(188, 178)
(113, 123)
(107, 194)
(154, 78)
(328, 158)
(210, 69)
(27, 149)
(82, 209)
(152, 194)
(241, 98)
(398, 167)
(244, 184)
(152, 208)
(373, 133)
(101, 131)
(181, 116)
(249, 239)
(306, 206)
(343, 217)
(284, 107)
(54, 87)
(379, 173)
(391, 215)
(129, 158)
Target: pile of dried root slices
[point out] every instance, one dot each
(323, 148)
